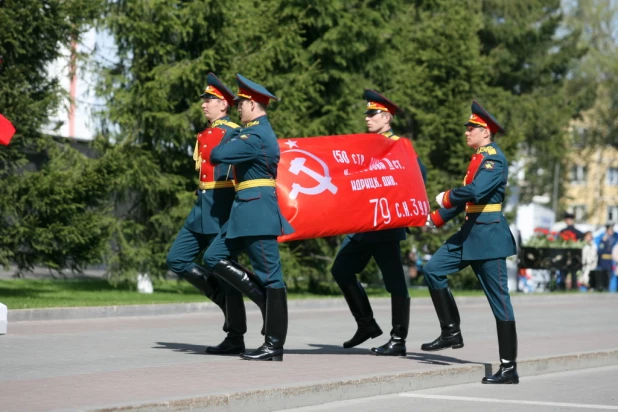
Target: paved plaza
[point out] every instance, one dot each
(155, 360)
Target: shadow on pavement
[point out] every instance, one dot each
(320, 349)
(433, 359)
(183, 347)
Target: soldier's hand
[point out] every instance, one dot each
(440, 199)
(429, 223)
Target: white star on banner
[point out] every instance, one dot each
(291, 144)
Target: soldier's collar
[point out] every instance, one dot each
(220, 121)
(254, 122)
(489, 149)
(390, 134)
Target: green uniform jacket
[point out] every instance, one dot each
(483, 235)
(212, 207)
(255, 155)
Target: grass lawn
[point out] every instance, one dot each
(28, 293)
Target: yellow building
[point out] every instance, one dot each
(592, 188)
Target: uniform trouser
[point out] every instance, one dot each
(491, 273)
(613, 282)
(607, 267)
(185, 248)
(263, 252)
(563, 277)
(354, 255)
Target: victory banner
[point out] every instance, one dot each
(344, 184)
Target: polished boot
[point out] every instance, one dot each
(262, 302)
(236, 322)
(209, 286)
(400, 312)
(240, 278)
(448, 315)
(360, 307)
(276, 328)
(507, 343)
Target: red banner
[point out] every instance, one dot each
(336, 185)
(6, 130)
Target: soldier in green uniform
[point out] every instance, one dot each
(255, 220)
(483, 242)
(212, 209)
(357, 249)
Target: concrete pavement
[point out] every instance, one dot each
(158, 363)
(583, 390)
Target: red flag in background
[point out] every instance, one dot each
(335, 185)
(6, 130)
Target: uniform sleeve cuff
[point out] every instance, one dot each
(437, 219)
(446, 200)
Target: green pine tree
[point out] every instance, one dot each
(52, 206)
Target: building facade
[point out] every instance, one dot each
(592, 186)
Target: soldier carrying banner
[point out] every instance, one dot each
(357, 249)
(483, 242)
(212, 209)
(255, 220)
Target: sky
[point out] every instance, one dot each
(96, 46)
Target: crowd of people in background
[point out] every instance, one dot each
(597, 270)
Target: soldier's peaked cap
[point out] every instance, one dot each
(215, 89)
(376, 103)
(252, 91)
(481, 118)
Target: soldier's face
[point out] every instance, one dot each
(378, 122)
(477, 136)
(245, 110)
(214, 108)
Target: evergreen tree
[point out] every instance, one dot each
(47, 215)
(594, 79)
(431, 57)
(530, 59)
(316, 57)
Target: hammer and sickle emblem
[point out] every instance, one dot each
(324, 180)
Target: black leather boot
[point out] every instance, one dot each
(262, 304)
(400, 312)
(209, 286)
(240, 278)
(276, 328)
(360, 307)
(236, 321)
(448, 314)
(507, 343)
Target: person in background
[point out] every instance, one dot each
(613, 280)
(569, 220)
(606, 262)
(589, 260)
(412, 267)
